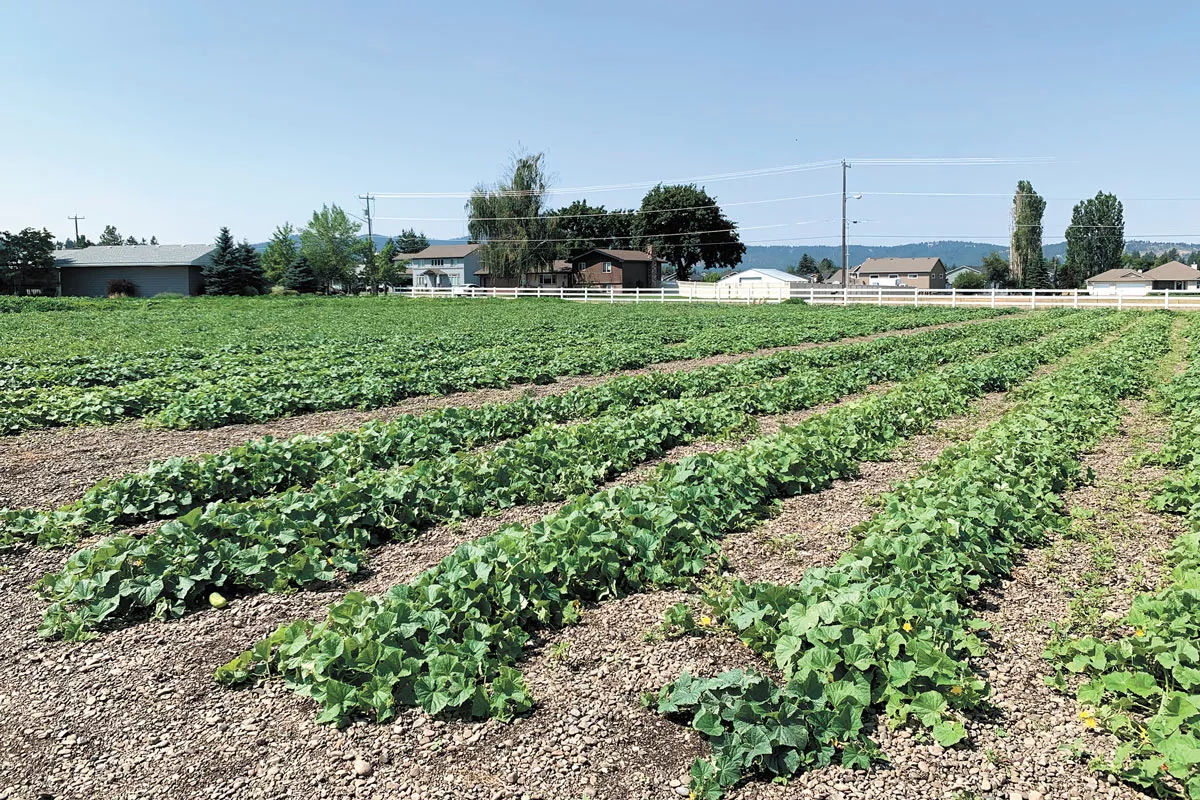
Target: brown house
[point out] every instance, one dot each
(915, 273)
(621, 269)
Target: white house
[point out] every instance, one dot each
(770, 279)
(443, 265)
(1173, 275)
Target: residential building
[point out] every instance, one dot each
(916, 273)
(1173, 276)
(954, 272)
(151, 268)
(763, 281)
(443, 265)
(627, 269)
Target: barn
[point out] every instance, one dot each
(151, 268)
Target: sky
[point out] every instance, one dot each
(173, 118)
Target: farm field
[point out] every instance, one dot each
(441, 549)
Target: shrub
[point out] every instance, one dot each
(121, 287)
(168, 296)
(283, 291)
(970, 280)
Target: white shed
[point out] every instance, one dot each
(773, 278)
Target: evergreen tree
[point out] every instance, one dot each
(826, 268)
(69, 244)
(299, 277)
(220, 276)
(1167, 257)
(82, 242)
(409, 241)
(153, 240)
(1036, 275)
(807, 265)
(131, 241)
(250, 272)
(110, 236)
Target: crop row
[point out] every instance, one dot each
(886, 628)
(1144, 686)
(448, 640)
(303, 537)
(175, 486)
(276, 383)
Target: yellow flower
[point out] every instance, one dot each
(1139, 632)
(955, 690)
(907, 627)
(1086, 714)
(1142, 733)
(1090, 722)
(137, 562)
(706, 621)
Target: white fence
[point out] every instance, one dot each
(824, 294)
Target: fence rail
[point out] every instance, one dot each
(828, 295)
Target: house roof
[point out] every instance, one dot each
(623, 255)
(440, 251)
(874, 266)
(1120, 276)
(964, 268)
(1172, 271)
(140, 255)
(774, 274)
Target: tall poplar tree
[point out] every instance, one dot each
(1027, 265)
(1095, 239)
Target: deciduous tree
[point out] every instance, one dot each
(331, 244)
(510, 219)
(585, 227)
(281, 251)
(995, 270)
(27, 261)
(1027, 269)
(685, 227)
(1095, 239)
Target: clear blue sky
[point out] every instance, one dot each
(173, 118)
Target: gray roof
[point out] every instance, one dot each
(140, 255)
(441, 251)
(875, 266)
(623, 255)
(777, 274)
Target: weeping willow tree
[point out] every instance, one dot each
(510, 221)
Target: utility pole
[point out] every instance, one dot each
(76, 218)
(845, 249)
(370, 245)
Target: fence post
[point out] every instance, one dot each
(916, 294)
(1075, 304)
(1033, 298)
(611, 294)
(1120, 297)
(562, 293)
(993, 297)
(1167, 299)
(879, 293)
(662, 294)
(585, 294)
(953, 298)
(812, 294)
(845, 294)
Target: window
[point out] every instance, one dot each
(912, 275)
(582, 265)
(607, 267)
(547, 280)
(894, 275)
(437, 262)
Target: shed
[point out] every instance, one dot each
(763, 277)
(151, 268)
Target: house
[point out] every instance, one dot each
(1173, 276)
(915, 273)
(763, 281)
(151, 268)
(954, 272)
(555, 274)
(443, 265)
(623, 269)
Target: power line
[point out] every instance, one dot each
(733, 229)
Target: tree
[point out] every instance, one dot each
(409, 241)
(220, 274)
(1194, 258)
(511, 222)
(1167, 257)
(1095, 239)
(388, 270)
(280, 253)
(131, 241)
(1037, 275)
(970, 280)
(110, 236)
(685, 227)
(1026, 246)
(331, 245)
(826, 268)
(299, 277)
(995, 270)
(250, 271)
(585, 228)
(153, 240)
(27, 261)
(807, 266)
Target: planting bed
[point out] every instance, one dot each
(784, 553)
